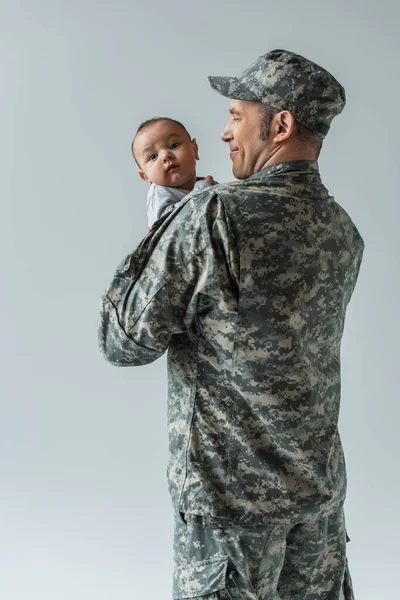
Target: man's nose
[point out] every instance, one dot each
(226, 135)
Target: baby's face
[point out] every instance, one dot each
(166, 155)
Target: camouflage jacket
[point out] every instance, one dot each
(246, 284)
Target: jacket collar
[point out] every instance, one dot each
(295, 166)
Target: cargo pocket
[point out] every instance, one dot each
(193, 580)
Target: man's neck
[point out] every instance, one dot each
(288, 154)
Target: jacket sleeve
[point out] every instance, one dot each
(154, 293)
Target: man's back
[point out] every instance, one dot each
(258, 374)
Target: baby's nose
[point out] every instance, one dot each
(167, 155)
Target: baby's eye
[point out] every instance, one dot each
(173, 146)
(152, 156)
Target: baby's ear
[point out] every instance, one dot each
(143, 176)
(195, 148)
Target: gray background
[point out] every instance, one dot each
(84, 508)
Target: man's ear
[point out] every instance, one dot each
(143, 176)
(195, 148)
(283, 126)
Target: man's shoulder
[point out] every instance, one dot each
(212, 202)
(200, 208)
(220, 192)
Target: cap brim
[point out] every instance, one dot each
(231, 87)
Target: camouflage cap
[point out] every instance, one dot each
(287, 81)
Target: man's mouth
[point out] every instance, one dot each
(233, 152)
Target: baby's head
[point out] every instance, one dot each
(165, 153)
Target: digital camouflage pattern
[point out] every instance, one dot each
(246, 284)
(217, 559)
(287, 81)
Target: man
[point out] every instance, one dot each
(246, 284)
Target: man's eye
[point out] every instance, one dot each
(173, 146)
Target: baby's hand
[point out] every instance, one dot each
(210, 180)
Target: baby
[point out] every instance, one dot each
(166, 157)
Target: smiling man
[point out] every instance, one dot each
(247, 284)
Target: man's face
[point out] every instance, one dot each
(249, 152)
(166, 155)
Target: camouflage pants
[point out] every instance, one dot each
(218, 560)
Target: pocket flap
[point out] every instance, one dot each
(192, 580)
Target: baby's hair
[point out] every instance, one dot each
(149, 122)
